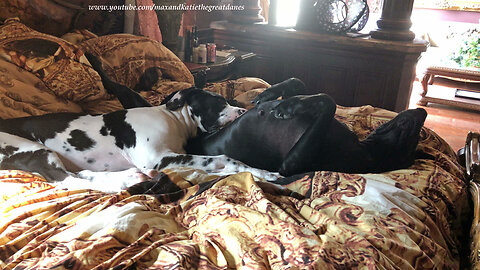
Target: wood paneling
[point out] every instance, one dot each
(354, 71)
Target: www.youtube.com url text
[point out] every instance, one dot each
(179, 7)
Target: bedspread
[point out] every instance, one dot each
(405, 219)
(41, 73)
(186, 219)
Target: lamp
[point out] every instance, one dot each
(249, 15)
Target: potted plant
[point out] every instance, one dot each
(468, 55)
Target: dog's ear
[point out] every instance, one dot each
(234, 102)
(167, 98)
(177, 99)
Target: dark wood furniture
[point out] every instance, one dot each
(461, 78)
(395, 23)
(354, 71)
(199, 73)
(234, 66)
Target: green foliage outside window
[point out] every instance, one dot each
(468, 55)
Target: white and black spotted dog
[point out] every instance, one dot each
(113, 151)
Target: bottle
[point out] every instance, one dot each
(202, 54)
(194, 45)
(188, 48)
(195, 36)
(195, 54)
(181, 48)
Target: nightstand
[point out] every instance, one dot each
(230, 67)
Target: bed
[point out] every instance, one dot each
(415, 218)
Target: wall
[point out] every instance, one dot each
(447, 15)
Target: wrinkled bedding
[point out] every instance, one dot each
(404, 219)
(41, 74)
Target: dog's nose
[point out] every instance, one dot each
(241, 111)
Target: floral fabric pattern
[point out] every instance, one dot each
(187, 219)
(405, 219)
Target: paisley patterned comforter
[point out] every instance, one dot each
(405, 219)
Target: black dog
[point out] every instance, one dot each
(299, 134)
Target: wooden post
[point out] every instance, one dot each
(250, 15)
(395, 23)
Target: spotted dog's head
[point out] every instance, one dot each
(209, 110)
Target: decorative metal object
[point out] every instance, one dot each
(472, 156)
(332, 16)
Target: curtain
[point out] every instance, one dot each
(146, 22)
(264, 4)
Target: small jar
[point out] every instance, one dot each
(202, 54)
(195, 54)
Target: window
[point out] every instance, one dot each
(286, 12)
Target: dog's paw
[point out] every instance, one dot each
(269, 176)
(287, 109)
(224, 165)
(264, 97)
(263, 174)
(116, 181)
